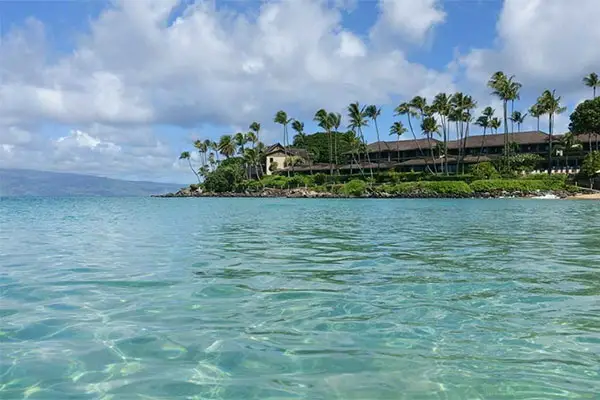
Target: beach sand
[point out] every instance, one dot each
(587, 196)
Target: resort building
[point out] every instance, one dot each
(423, 154)
(277, 155)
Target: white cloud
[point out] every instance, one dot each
(408, 19)
(545, 43)
(217, 67)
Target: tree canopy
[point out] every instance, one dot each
(317, 145)
(586, 117)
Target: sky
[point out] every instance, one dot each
(120, 88)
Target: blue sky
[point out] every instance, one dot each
(120, 88)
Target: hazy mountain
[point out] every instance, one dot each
(21, 182)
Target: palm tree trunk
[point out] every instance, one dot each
(482, 143)
(330, 152)
(550, 144)
(192, 168)
(538, 123)
(378, 146)
(431, 153)
(505, 107)
(335, 152)
(398, 150)
(367, 154)
(415, 137)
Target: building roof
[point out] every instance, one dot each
(277, 147)
(451, 160)
(401, 145)
(497, 140)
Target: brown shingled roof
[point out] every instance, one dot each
(401, 145)
(497, 140)
(290, 150)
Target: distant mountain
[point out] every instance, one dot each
(21, 182)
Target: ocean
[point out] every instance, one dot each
(207, 298)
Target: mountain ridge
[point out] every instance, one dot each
(29, 182)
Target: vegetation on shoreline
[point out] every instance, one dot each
(242, 169)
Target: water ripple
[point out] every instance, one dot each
(283, 298)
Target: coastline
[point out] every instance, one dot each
(302, 193)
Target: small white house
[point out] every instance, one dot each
(276, 156)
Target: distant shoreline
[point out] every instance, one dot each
(301, 193)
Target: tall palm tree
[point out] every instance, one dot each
(358, 120)
(214, 146)
(226, 146)
(186, 156)
(419, 105)
(300, 137)
(429, 126)
(373, 112)
(495, 124)
(536, 112)
(356, 146)
(592, 81)
(324, 121)
(441, 105)
(282, 118)
(568, 143)
(397, 129)
(484, 121)
(240, 141)
(518, 118)
(514, 89)
(405, 109)
(461, 107)
(551, 105)
(335, 120)
(255, 127)
(506, 89)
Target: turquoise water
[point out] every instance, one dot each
(284, 299)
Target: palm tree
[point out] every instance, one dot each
(429, 126)
(186, 156)
(357, 120)
(255, 127)
(404, 109)
(335, 120)
(398, 130)
(592, 81)
(484, 121)
(495, 124)
(419, 105)
(240, 141)
(518, 118)
(441, 105)
(282, 118)
(325, 122)
(568, 143)
(373, 112)
(551, 105)
(356, 146)
(506, 89)
(214, 146)
(226, 146)
(536, 112)
(461, 107)
(300, 139)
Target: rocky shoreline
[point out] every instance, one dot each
(308, 194)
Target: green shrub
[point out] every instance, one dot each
(432, 188)
(319, 179)
(517, 185)
(194, 186)
(298, 181)
(275, 181)
(484, 170)
(355, 187)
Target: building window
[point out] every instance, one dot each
(271, 159)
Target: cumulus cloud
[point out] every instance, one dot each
(411, 20)
(145, 63)
(546, 43)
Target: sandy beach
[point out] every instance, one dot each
(586, 196)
